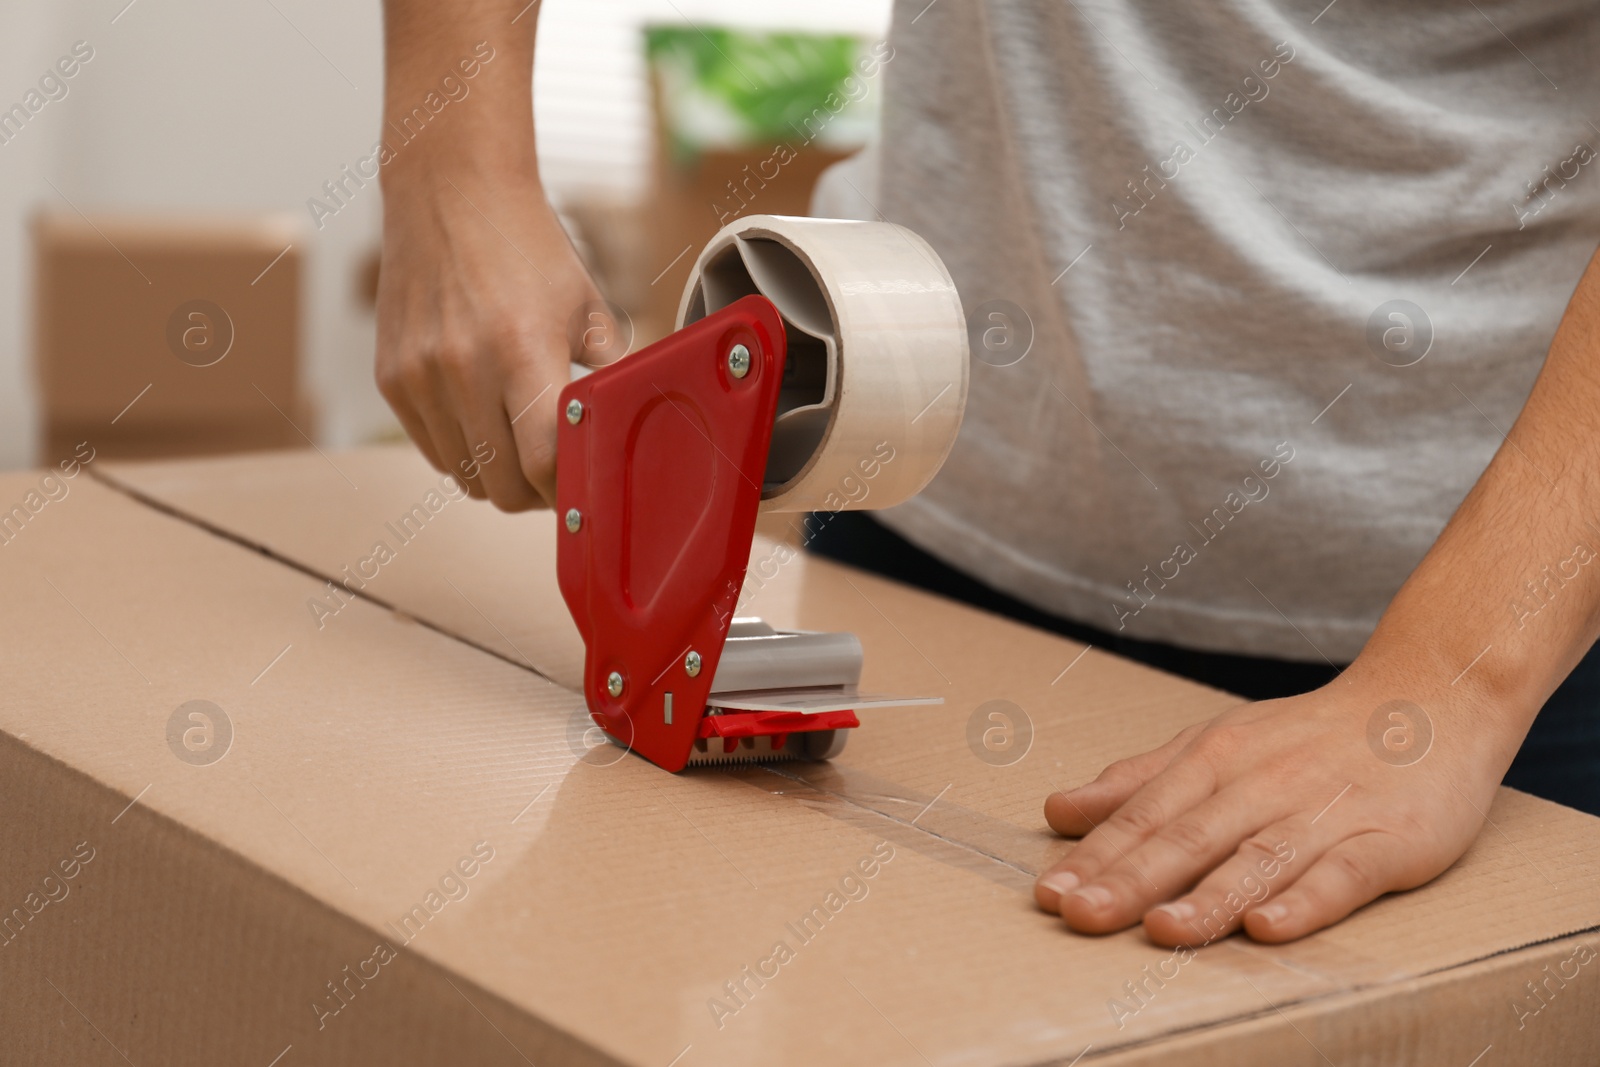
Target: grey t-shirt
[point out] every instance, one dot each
(1289, 272)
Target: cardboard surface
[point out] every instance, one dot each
(376, 754)
(493, 583)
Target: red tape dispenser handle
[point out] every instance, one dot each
(659, 470)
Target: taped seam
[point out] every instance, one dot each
(906, 823)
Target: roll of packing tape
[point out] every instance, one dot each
(876, 375)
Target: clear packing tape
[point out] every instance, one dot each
(876, 376)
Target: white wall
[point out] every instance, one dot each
(191, 106)
(29, 45)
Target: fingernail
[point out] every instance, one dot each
(1062, 882)
(1181, 910)
(1273, 913)
(1096, 896)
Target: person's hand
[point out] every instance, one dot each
(476, 292)
(1281, 817)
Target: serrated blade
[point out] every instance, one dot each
(709, 751)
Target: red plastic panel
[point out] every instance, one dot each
(763, 723)
(664, 468)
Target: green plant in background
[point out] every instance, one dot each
(722, 88)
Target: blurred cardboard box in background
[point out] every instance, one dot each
(168, 336)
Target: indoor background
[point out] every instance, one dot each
(190, 145)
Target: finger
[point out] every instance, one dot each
(1169, 795)
(475, 390)
(397, 387)
(449, 443)
(417, 430)
(494, 463)
(1352, 873)
(1264, 865)
(445, 405)
(533, 426)
(1075, 812)
(1176, 857)
(494, 451)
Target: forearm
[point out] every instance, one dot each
(1508, 599)
(478, 281)
(485, 125)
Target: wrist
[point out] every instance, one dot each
(1485, 700)
(415, 169)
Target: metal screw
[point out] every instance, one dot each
(691, 664)
(739, 361)
(614, 684)
(574, 520)
(574, 410)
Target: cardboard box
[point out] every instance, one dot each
(168, 336)
(377, 748)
